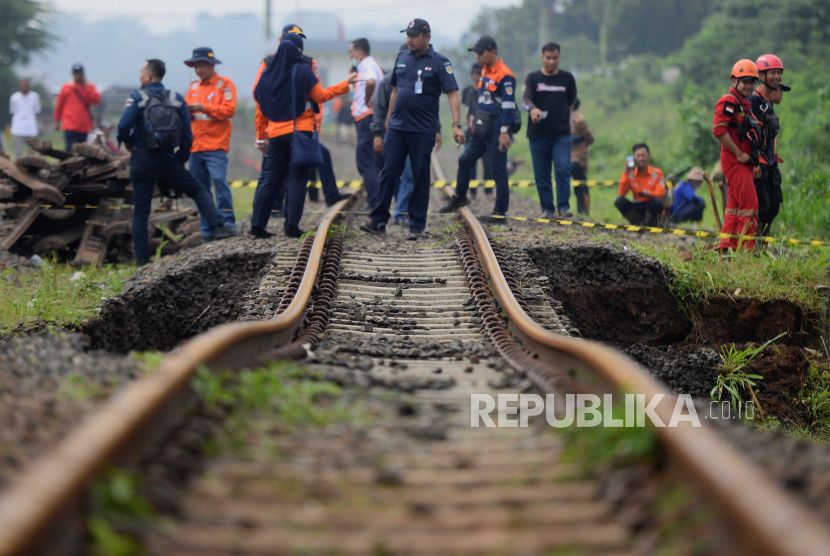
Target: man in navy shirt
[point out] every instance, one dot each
(492, 127)
(419, 78)
(165, 166)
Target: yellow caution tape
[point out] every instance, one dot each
(672, 231)
(625, 227)
(441, 183)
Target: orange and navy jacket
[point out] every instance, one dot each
(266, 129)
(74, 113)
(496, 93)
(212, 126)
(729, 112)
(643, 187)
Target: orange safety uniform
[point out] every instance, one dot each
(212, 126)
(643, 187)
(305, 122)
(741, 214)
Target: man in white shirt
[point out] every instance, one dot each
(368, 162)
(24, 106)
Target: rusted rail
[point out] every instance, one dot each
(767, 520)
(40, 514)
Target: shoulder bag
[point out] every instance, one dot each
(305, 151)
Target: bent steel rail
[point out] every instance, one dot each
(48, 496)
(769, 521)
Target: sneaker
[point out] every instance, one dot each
(495, 217)
(293, 231)
(373, 227)
(141, 262)
(565, 214)
(259, 232)
(455, 204)
(331, 201)
(401, 221)
(207, 239)
(415, 234)
(546, 214)
(224, 232)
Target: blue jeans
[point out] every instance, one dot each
(475, 149)
(207, 166)
(146, 168)
(555, 151)
(72, 137)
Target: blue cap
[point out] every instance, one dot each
(293, 28)
(77, 68)
(202, 54)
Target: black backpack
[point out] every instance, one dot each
(162, 125)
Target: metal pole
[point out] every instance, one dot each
(267, 19)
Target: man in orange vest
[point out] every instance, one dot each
(740, 136)
(647, 188)
(211, 102)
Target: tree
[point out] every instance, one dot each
(24, 32)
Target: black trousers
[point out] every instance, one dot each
(770, 197)
(399, 145)
(277, 167)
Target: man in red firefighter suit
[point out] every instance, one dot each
(739, 134)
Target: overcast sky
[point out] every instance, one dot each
(447, 17)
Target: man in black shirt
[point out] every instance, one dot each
(548, 95)
(469, 98)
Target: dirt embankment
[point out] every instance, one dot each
(161, 307)
(618, 296)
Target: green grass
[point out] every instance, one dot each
(788, 274)
(278, 396)
(48, 294)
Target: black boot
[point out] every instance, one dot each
(259, 232)
(293, 231)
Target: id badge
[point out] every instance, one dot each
(419, 87)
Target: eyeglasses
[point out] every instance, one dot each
(753, 80)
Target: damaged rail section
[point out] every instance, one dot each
(41, 513)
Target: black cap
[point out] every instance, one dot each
(293, 28)
(77, 68)
(416, 27)
(784, 87)
(484, 43)
(202, 54)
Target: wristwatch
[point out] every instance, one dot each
(456, 124)
(503, 129)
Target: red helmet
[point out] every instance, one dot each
(744, 68)
(769, 62)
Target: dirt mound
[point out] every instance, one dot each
(160, 309)
(725, 320)
(684, 370)
(612, 294)
(784, 370)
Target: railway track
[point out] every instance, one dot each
(433, 318)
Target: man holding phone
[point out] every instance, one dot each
(548, 95)
(647, 186)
